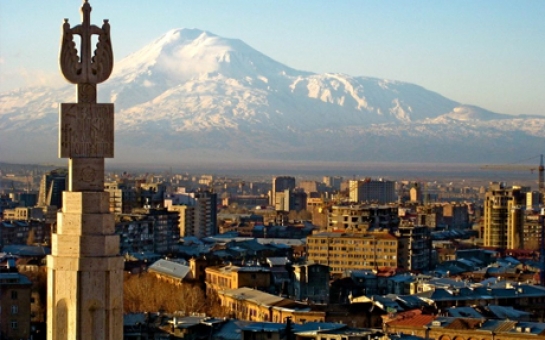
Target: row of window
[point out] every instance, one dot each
(344, 252)
(358, 264)
(356, 242)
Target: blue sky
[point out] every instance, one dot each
(489, 53)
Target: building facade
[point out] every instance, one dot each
(503, 217)
(311, 282)
(52, 185)
(344, 252)
(414, 247)
(197, 210)
(372, 191)
(360, 218)
(280, 184)
(15, 292)
(234, 277)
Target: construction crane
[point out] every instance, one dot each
(522, 167)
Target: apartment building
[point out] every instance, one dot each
(456, 215)
(373, 191)
(154, 230)
(280, 184)
(23, 213)
(123, 195)
(360, 218)
(414, 247)
(197, 211)
(289, 200)
(503, 217)
(344, 252)
(15, 293)
(531, 233)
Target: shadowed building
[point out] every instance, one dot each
(15, 291)
(51, 187)
(280, 184)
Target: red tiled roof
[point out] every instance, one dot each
(415, 321)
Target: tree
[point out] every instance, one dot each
(146, 292)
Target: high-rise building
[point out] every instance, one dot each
(372, 191)
(503, 217)
(311, 186)
(533, 223)
(533, 200)
(197, 210)
(334, 182)
(52, 185)
(289, 200)
(414, 247)
(280, 184)
(123, 195)
(154, 230)
(456, 215)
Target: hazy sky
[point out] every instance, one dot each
(489, 53)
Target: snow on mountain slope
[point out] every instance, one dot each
(192, 92)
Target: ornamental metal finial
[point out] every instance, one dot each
(84, 69)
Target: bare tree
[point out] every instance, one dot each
(146, 292)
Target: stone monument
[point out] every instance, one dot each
(84, 270)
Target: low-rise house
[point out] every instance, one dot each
(485, 329)
(254, 305)
(525, 297)
(400, 284)
(234, 277)
(159, 326)
(490, 311)
(173, 272)
(411, 322)
(381, 281)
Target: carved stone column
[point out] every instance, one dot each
(85, 271)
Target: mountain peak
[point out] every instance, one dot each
(191, 91)
(185, 34)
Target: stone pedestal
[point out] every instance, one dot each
(85, 286)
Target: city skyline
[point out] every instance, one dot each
(484, 53)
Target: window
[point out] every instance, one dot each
(13, 324)
(14, 295)
(14, 309)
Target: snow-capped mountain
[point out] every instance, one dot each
(191, 94)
